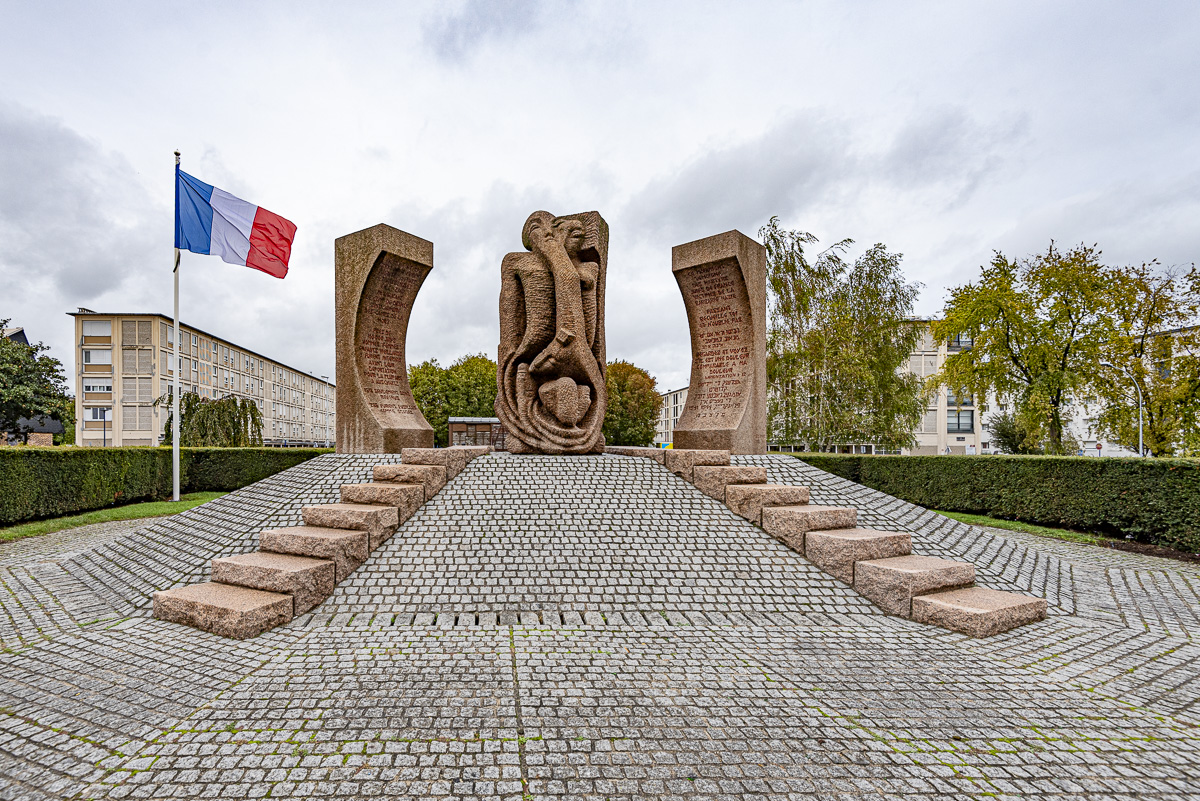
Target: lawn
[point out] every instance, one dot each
(134, 511)
(1028, 528)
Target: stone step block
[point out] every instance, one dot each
(407, 498)
(681, 462)
(748, 500)
(224, 609)
(978, 611)
(309, 581)
(346, 548)
(712, 480)
(380, 522)
(657, 454)
(891, 584)
(432, 476)
(453, 459)
(790, 524)
(836, 550)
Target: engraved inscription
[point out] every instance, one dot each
(382, 321)
(718, 310)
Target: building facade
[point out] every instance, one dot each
(951, 424)
(477, 431)
(668, 416)
(124, 362)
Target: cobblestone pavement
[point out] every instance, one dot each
(590, 627)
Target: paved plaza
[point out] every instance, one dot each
(589, 627)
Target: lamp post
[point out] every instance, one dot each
(325, 402)
(1141, 449)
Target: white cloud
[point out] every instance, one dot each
(945, 131)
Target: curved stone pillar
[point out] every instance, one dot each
(723, 279)
(377, 274)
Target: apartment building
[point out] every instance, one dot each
(950, 423)
(124, 361)
(668, 416)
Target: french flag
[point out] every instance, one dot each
(212, 221)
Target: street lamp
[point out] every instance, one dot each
(1141, 450)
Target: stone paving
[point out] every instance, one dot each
(590, 627)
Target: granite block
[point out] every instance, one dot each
(978, 611)
(681, 462)
(713, 480)
(748, 500)
(346, 548)
(835, 551)
(309, 581)
(224, 609)
(433, 476)
(892, 583)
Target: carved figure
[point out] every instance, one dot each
(551, 395)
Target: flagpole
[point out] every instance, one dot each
(175, 391)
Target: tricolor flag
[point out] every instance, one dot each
(212, 221)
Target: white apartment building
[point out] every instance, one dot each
(668, 416)
(123, 362)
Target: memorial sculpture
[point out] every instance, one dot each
(551, 394)
(377, 274)
(723, 280)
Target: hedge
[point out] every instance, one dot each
(51, 482)
(1153, 500)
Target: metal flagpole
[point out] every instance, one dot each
(175, 389)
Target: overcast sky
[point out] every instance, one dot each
(945, 130)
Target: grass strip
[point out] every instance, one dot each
(1028, 528)
(134, 511)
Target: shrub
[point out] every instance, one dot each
(211, 469)
(51, 482)
(1153, 500)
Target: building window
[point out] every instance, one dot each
(100, 413)
(966, 399)
(97, 328)
(961, 342)
(103, 387)
(960, 422)
(97, 357)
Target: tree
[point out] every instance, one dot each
(1149, 313)
(31, 385)
(633, 405)
(1034, 329)
(837, 338)
(467, 388)
(227, 422)
(1011, 435)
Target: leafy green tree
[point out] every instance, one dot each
(227, 422)
(1010, 434)
(467, 388)
(838, 334)
(1035, 327)
(633, 405)
(1144, 303)
(427, 381)
(32, 384)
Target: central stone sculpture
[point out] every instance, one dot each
(550, 369)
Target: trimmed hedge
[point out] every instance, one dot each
(51, 482)
(213, 469)
(1154, 500)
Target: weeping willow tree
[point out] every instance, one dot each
(226, 422)
(839, 335)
